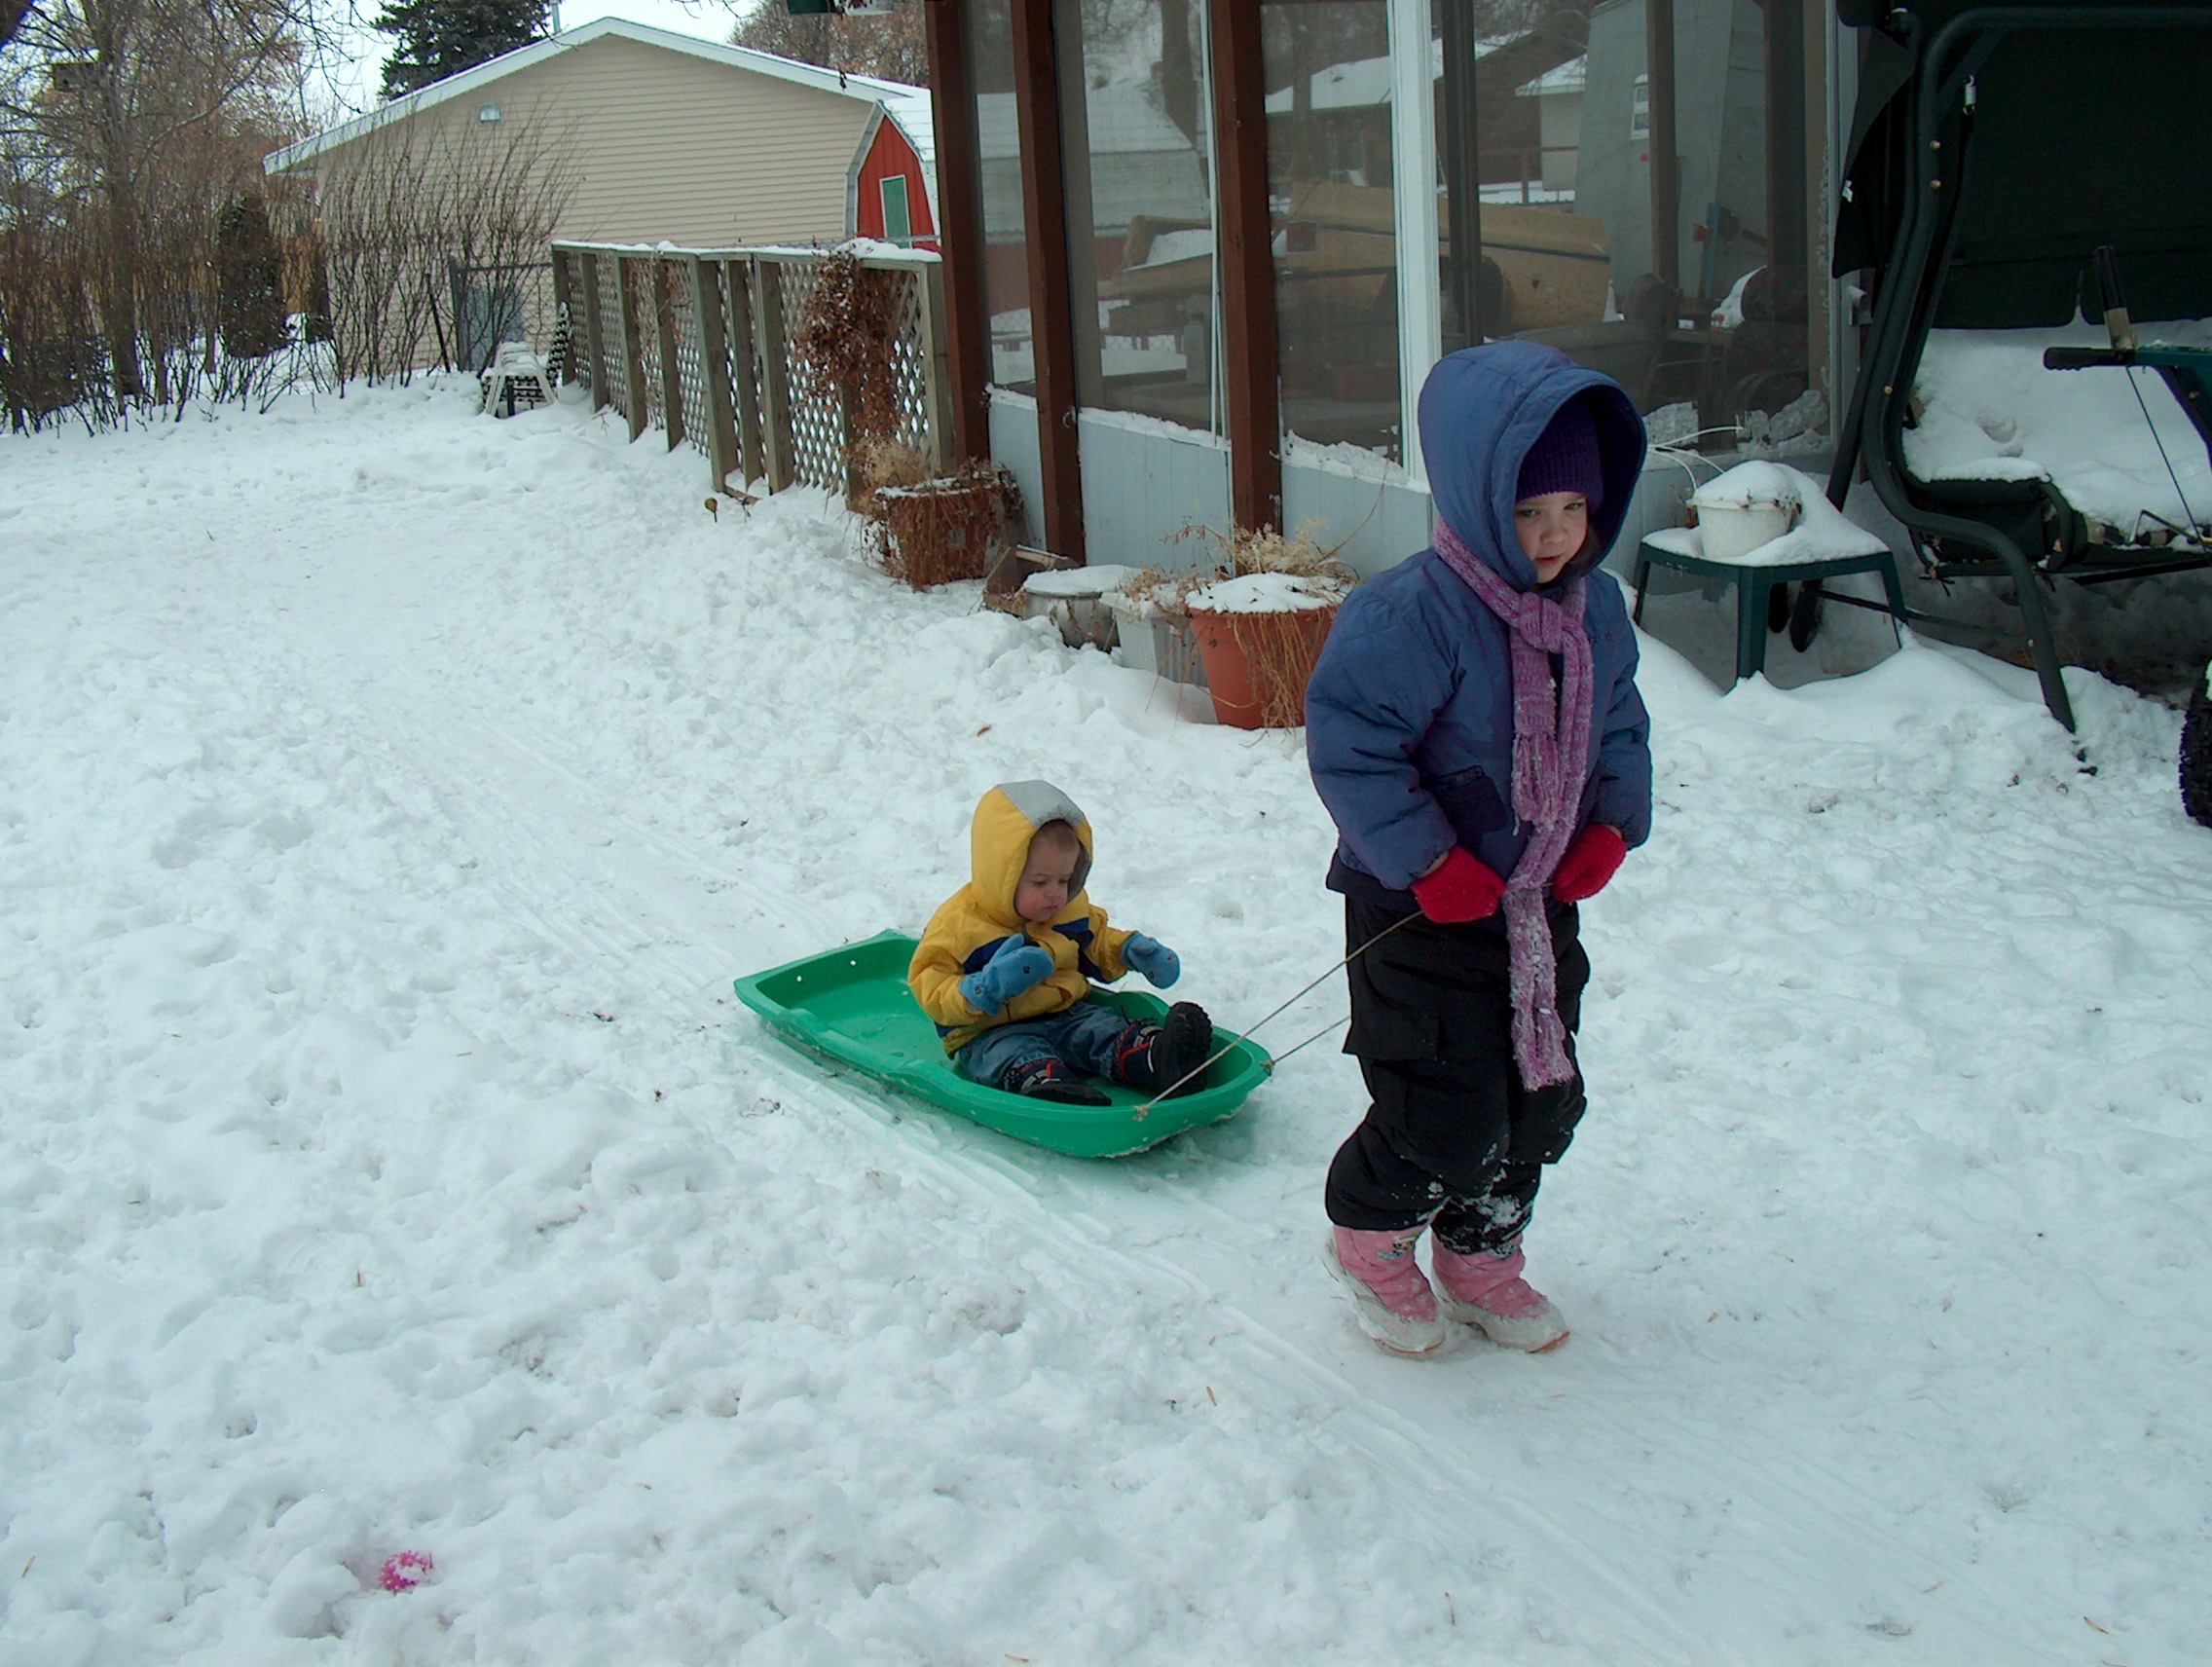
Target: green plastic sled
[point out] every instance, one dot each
(853, 1005)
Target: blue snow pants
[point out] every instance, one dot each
(1085, 1038)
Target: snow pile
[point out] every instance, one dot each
(1102, 578)
(387, 797)
(1269, 593)
(1989, 411)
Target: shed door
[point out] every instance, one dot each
(898, 227)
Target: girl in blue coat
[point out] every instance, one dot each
(1475, 732)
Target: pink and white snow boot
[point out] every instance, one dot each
(1489, 1292)
(1395, 1306)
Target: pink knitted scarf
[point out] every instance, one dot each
(1551, 759)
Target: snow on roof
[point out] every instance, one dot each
(1366, 80)
(1120, 118)
(1568, 77)
(907, 106)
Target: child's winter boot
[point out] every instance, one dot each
(1157, 1057)
(1396, 1308)
(1049, 1078)
(1489, 1292)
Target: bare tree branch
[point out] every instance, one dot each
(12, 16)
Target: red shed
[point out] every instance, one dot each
(891, 186)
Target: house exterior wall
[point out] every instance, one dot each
(1717, 123)
(1559, 118)
(675, 148)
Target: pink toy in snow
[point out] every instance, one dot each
(404, 1570)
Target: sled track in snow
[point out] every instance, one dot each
(643, 905)
(636, 911)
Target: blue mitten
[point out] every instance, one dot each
(1020, 965)
(1153, 958)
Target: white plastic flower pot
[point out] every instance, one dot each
(1750, 506)
(1727, 531)
(1149, 643)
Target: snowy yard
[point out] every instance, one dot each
(387, 796)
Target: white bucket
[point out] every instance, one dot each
(1078, 601)
(1742, 509)
(1730, 531)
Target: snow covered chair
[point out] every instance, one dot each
(1990, 163)
(515, 375)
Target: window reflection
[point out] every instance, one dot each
(1546, 115)
(1328, 75)
(998, 137)
(1136, 124)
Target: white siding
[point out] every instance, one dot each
(673, 148)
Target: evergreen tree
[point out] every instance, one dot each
(249, 284)
(438, 38)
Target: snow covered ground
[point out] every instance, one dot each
(387, 796)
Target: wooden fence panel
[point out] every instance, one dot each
(745, 367)
(699, 344)
(715, 368)
(662, 290)
(594, 329)
(775, 372)
(631, 346)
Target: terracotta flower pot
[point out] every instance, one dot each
(1257, 663)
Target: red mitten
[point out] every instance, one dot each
(1459, 889)
(1590, 860)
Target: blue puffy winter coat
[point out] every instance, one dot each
(1409, 715)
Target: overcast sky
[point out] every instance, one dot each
(356, 83)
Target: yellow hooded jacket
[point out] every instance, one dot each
(969, 926)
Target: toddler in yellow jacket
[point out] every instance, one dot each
(1005, 966)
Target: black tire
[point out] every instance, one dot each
(2196, 754)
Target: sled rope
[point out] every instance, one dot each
(1341, 1019)
(1204, 1064)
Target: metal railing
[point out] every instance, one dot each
(697, 343)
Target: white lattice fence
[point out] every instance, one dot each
(614, 386)
(910, 362)
(645, 306)
(690, 357)
(740, 299)
(818, 421)
(748, 383)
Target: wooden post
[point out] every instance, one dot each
(564, 295)
(1247, 266)
(1043, 195)
(1462, 178)
(631, 344)
(745, 367)
(1666, 175)
(593, 343)
(715, 368)
(664, 336)
(1786, 239)
(937, 374)
(775, 370)
(958, 285)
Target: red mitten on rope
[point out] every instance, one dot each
(1590, 861)
(1459, 889)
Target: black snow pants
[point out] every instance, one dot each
(1453, 1138)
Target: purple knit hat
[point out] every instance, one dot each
(1564, 457)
